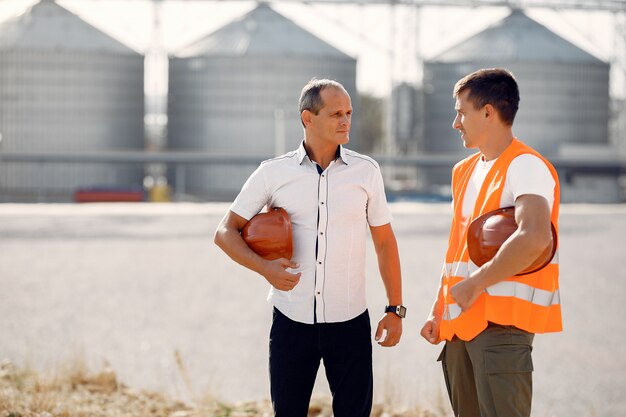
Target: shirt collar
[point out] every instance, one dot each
(341, 153)
(301, 153)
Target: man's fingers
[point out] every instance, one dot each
(379, 332)
(286, 263)
(391, 339)
(288, 282)
(434, 336)
(430, 332)
(293, 278)
(389, 331)
(286, 286)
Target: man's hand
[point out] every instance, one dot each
(228, 238)
(274, 272)
(430, 331)
(465, 293)
(533, 235)
(392, 325)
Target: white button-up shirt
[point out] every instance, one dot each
(331, 210)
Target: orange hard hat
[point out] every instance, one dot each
(488, 232)
(269, 234)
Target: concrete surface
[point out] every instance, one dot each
(132, 284)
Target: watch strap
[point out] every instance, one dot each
(399, 310)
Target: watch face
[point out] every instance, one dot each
(399, 310)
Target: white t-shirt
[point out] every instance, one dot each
(527, 174)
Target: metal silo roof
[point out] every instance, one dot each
(48, 26)
(261, 32)
(516, 38)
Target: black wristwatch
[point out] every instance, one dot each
(400, 310)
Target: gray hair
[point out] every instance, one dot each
(311, 97)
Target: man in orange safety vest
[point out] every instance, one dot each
(488, 314)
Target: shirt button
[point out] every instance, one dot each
(321, 233)
(319, 262)
(318, 293)
(322, 202)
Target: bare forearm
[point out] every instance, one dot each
(228, 238)
(390, 272)
(515, 254)
(393, 287)
(532, 214)
(388, 261)
(231, 242)
(389, 266)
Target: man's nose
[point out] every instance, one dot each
(456, 123)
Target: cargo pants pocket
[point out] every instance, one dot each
(508, 370)
(508, 359)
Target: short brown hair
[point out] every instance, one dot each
(495, 86)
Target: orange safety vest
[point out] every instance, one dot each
(530, 302)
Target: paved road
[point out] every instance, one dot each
(133, 284)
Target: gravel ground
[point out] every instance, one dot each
(137, 286)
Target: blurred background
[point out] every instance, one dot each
(138, 100)
(179, 100)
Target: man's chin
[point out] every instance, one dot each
(467, 145)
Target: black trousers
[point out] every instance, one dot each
(296, 350)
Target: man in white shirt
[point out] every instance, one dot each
(332, 195)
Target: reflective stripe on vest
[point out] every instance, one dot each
(512, 289)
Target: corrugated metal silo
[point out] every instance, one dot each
(236, 92)
(67, 87)
(564, 90)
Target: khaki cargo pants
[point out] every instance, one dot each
(491, 375)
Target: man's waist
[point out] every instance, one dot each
(322, 307)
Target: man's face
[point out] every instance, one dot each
(469, 121)
(332, 123)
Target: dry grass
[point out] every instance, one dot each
(77, 392)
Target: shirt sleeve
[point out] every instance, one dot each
(528, 174)
(378, 213)
(253, 195)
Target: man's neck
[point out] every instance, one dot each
(496, 144)
(322, 155)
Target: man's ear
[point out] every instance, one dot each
(489, 111)
(306, 117)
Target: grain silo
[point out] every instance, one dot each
(66, 87)
(236, 92)
(564, 90)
